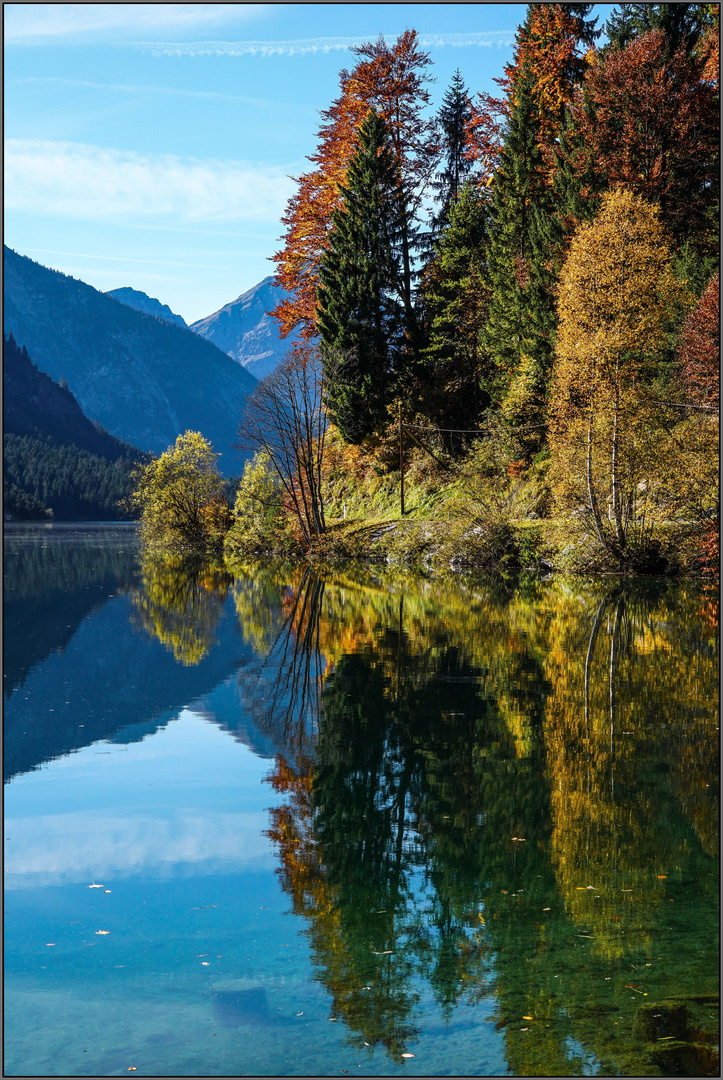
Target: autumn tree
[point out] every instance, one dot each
(180, 498)
(286, 421)
(649, 122)
(697, 436)
(617, 295)
(393, 80)
(360, 315)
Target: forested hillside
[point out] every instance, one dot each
(541, 345)
(55, 458)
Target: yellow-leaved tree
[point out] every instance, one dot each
(180, 498)
(609, 433)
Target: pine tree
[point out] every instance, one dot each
(453, 121)
(518, 187)
(681, 23)
(456, 303)
(359, 315)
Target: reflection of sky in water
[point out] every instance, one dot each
(110, 810)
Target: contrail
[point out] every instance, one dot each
(300, 46)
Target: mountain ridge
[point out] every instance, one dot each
(143, 379)
(244, 329)
(141, 301)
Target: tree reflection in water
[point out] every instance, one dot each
(493, 791)
(179, 601)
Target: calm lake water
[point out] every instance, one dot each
(353, 817)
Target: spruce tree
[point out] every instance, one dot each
(517, 185)
(360, 318)
(453, 119)
(456, 301)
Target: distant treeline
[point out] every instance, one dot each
(56, 459)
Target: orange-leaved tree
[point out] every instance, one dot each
(650, 122)
(393, 80)
(618, 296)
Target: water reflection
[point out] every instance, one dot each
(509, 792)
(179, 601)
(485, 792)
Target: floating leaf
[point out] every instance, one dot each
(407, 1055)
(662, 877)
(205, 963)
(102, 931)
(528, 1018)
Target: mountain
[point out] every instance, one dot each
(36, 405)
(141, 301)
(245, 331)
(55, 458)
(143, 379)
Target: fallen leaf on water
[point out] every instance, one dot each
(528, 1018)
(547, 909)
(205, 963)
(102, 931)
(407, 1055)
(661, 877)
(300, 1014)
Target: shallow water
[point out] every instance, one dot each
(342, 819)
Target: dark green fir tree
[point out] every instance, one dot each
(456, 300)
(453, 120)
(360, 317)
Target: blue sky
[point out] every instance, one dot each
(151, 145)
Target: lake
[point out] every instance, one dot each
(355, 822)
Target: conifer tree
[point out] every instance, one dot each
(453, 121)
(456, 303)
(518, 187)
(359, 315)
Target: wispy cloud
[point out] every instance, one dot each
(134, 262)
(97, 184)
(28, 24)
(162, 91)
(300, 46)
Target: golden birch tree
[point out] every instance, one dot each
(617, 299)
